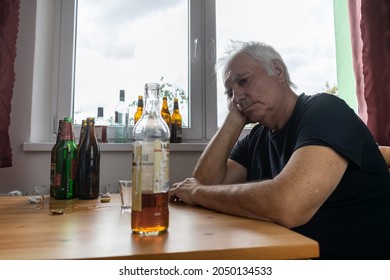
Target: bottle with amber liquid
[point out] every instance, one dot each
(53, 161)
(88, 163)
(176, 123)
(140, 109)
(67, 163)
(165, 114)
(149, 213)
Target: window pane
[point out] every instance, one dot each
(123, 44)
(301, 31)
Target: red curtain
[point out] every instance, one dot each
(9, 23)
(370, 36)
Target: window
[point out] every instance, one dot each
(124, 44)
(179, 40)
(301, 31)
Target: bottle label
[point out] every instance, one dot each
(150, 170)
(52, 173)
(101, 133)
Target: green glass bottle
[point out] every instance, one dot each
(53, 161)
(88, 162)
(67, 161)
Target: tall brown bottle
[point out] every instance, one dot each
(176, 123)
(140, 109)
(88, 162)
(165, 114)
(83, 128)
(53, 161)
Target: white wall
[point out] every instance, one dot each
(31, 166)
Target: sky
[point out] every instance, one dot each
(122, 44)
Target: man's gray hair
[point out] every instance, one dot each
(261, 52)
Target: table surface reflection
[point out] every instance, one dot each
(91, 229)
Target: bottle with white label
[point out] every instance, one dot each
(121, 120)
(150, 213)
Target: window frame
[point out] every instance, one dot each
(55, 84)
(202, 89)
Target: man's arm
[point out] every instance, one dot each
(290, 199)
(213, 166)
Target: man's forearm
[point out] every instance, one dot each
(211, 167)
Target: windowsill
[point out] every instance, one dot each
(115, 147)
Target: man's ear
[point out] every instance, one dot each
(279, 70)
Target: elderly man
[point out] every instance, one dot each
(310, 164)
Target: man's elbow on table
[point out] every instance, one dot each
(291, 219)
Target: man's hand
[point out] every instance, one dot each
(234, 111)
(183, 191)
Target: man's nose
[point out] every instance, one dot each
(237, 96)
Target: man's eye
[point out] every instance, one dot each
(242, 82)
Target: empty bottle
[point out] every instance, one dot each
(88, 164)
(67, 161)
(121, 120)
(101, 126)
(53, 160)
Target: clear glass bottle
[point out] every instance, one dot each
(88, 163)
(121, 120)
(67, 161)
(53, 161)
(166, 115)
(150, 214)
(101, 126)
(140, 109)
(176, 123)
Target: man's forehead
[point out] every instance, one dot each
(241, 65)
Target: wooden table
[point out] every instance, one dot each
(95, 230)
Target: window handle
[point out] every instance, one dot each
(196, 48)
(211, 47)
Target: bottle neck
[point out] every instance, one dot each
(152, 101)
(60, 129)
(90, 132)
(140, 102)
(67, 131)
(165, 104)
(176, 106)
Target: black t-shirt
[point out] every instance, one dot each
(354, 222)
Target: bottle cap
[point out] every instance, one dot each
(122, 95)
(100, 112)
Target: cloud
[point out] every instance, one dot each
(112, 26)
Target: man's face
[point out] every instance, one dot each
(252, 90)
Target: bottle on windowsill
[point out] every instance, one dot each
(176, 123)
(140, 109)
(166, 115)
(121, 120)
(101, 126)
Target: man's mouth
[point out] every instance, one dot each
(246, 107)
